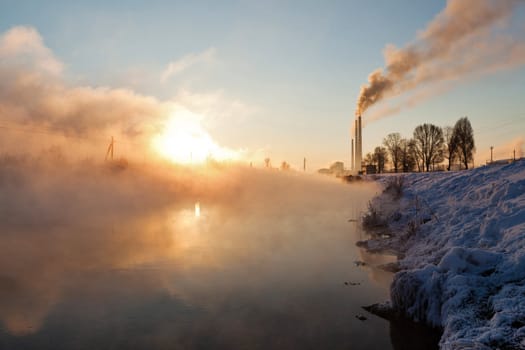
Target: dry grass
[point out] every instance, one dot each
(394, 186)
(373, 219)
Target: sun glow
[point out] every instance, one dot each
(185, 141)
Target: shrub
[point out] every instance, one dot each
(373, 218)
(394, 186)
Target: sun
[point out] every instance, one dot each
(183, 140)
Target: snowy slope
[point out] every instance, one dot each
(462, 236)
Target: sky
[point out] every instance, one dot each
(276, 79)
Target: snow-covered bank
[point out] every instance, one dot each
(461, 241)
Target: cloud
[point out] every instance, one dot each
(35, 95)
(216, 106)
(24, 45)
(182, 64)
(33, 92)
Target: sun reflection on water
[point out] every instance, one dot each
(197, 210)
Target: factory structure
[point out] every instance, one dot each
(357, 148)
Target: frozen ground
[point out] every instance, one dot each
(461, 241)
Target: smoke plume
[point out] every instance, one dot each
(466, 39)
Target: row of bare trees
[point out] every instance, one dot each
(429, 147)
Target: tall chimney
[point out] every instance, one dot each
(358, 145)
(352, 155)
(356, 153)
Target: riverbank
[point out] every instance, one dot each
(460, 240)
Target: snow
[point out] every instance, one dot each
(461, 241)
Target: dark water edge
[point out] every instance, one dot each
(407, 335)
(404, 333)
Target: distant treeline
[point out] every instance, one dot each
(430, 148)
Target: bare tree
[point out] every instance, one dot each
(392, 142)
(267, 162)
(438, 158)
(451, 145)
(429, 144)
(465, 141)
(369, 159)
(415, 154)
(380, 157)
(406, 159)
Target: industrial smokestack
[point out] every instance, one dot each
(356, 157)
(352, 166)
(359, 147)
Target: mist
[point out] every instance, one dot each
(468, 39)
(62, 217)
(74, 224)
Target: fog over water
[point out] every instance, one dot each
(99, 257)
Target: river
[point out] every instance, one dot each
(272, 268)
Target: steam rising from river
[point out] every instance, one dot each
(59, 218)
(69, 223)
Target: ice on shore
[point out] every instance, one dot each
(462, 238)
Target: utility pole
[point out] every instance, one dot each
(109, 152)
(514, 154)
(491, 148)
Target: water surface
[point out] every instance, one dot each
(261, 268)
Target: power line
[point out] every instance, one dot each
(501, 124)
(47, 131)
